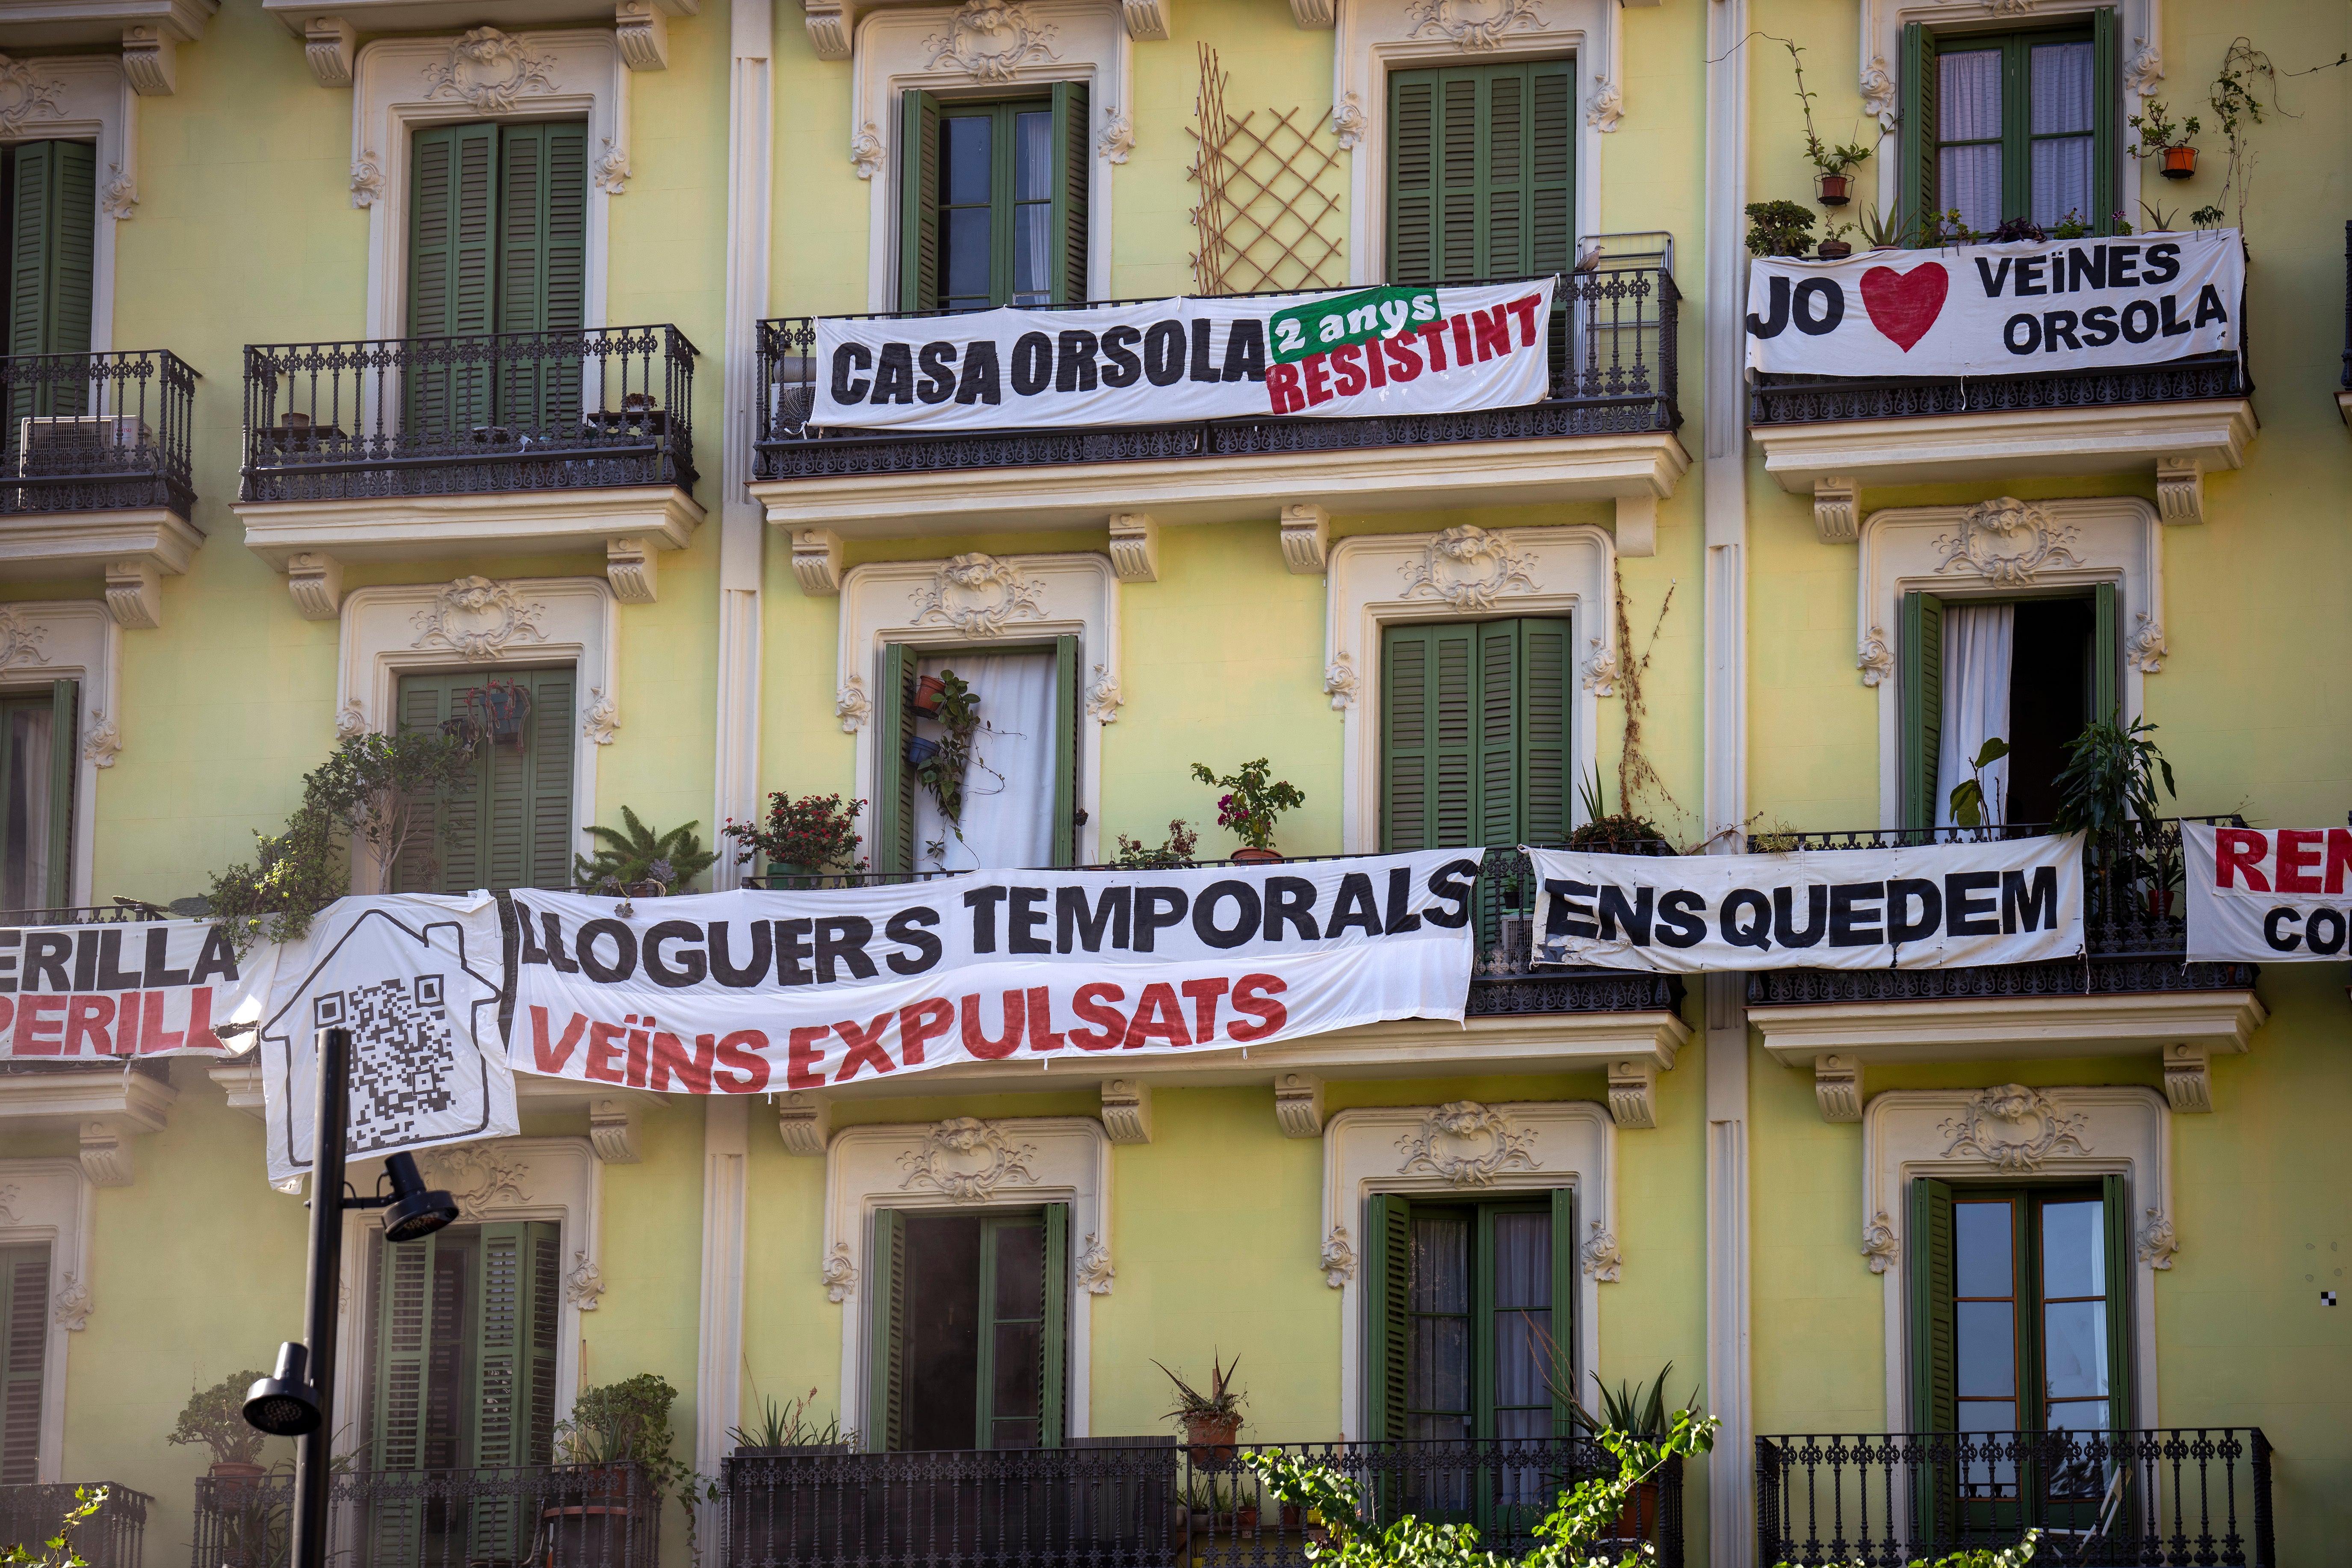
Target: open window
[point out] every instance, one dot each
(970, 1340)
(2031, 671)
(993, 200)
(38, 746)
(512, 826)
(2004, 125)
(1019, 789)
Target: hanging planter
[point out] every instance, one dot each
(1833, 190)
(928, 692)
(2178, 162)
(502, 712)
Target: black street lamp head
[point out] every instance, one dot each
(284, 1405)
(416, 1211)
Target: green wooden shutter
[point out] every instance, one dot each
(1495, 813)
(65, 749)
(542, 260)
(886, 1337)
(1067, 718)
(1412, 176)
(1453, 733)
(453, 239)
(1547, 766)
(2106, 120)
(1916, 193)
(1551, 167)
(1935, 1405)
(513, 1368)
(1388, 1279)
(1071, 166)
(1054, 1332)
(52, 235)
(2116, 1198)
(547, 783)
(74, 255)
(24, 1348)
(2106, 654)
(918, 201)
(447, 853)
(404, 1346)
(1919, 660)
(894, 785)
(1564, 1244)
(1408, 737)
(511, 828)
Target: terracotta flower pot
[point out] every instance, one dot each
(1834, 190)
(1834, 250)
(1640, 1517)
(237, 1469)
(1246, 856)
(2159, 902)
(1209, 1438)
(2179, 163)
(928, 692)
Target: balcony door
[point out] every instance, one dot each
(1017, 800)
(497, 242)
(993, 200)
(512, 826)
(2013, 126)
(36, 785)
(50, 222)
(24, 1350)
(1481, 171)
(970, 1341)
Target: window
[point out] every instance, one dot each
(1480, 171)
(1469, 1313)
(37, 749)
(1019, 789)
(463, 1378)
(969, 1345)
(497, 242)
(2020, 1324)
(51, 194)
(24, 1347)
(2029, 671)
(2003, 125)
(511, 828)
(994, 202)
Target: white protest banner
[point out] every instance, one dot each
(416, 978)
(145, 988)
(1400, 349)
(1934, 906)
(739, 992)
(1999, 309)
(2275, 894)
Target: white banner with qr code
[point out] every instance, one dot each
(416, 978)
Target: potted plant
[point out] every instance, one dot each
(1209, 1420)
(2074, 225)
(1834, 247)
(791, 1429)
(1879, 232)
(2165, 142)
(1619, 832)
(1173, 853)
(1639, 1410)
(636, 862)
(1779, 228)
(215, 1418)
(803, 837)
(940, 766)
(2108, 791)
(1834, 171)
(1971, 807)
(929, 692)
(1249, 806)
(615, 1435)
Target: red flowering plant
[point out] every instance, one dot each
(814, 834)
(1250, 802)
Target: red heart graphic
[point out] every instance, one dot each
(1903, 305)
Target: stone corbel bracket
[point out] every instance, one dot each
(1135, 547)
(1836, 509)
(1637, 525)
(1837, 1085)
(831, 24)
(816, 561)
(612, 1131)
(1633, 1092)
(1298, 1105)
(1127, 1110)
(1306, 539)
(2181, 489)
(643, 32)
(806, 1123)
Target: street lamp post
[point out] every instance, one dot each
(298, 1400)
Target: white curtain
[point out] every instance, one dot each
(1980, 642)
(1008, 790)
(2062, 112)
(1967, 108)
(25, 796)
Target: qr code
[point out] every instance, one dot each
(404, 1062)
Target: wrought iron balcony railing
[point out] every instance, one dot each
(96, 432)
(1143, 1503)
(2135, 926)
(1613, 371)
(2120, 1499)
(612, 406)
(549, 1516)
(1814, 399)
(1503, 982)
(113, 1537)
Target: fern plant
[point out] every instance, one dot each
(636, 853)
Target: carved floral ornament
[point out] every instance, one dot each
(1601, 671)
(1338, 1260)
(868, 155)
(103, 744)
(1094, 1268)
(1116, 143)
(367, 180)
(478, 1178)
(1469, 569)
(1467, 1144)
(1340, 680)
(2157, 1241)
(1104, 697)
(965, 1159)
(989, 41)
(1878, 1243)
(478, 619)
(1878, 95)
(1607, 106)
(2013, 1128)
(1600, 1255)
(2006, 541)
(852, 706)
(2143, 69)
(603, 719)
(489, 71)
(584, 1286)
(74, 1306)
(1875, 658)
(1476, 26)
(21, 640)
(27, 93)
(1349, 122)
(978, 594)
(840, 1275)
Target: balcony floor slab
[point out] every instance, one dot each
(52, 544)
(2029, 443)
(2003, 1027)
(1227, 489)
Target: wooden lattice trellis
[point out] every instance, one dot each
(1268, 213)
